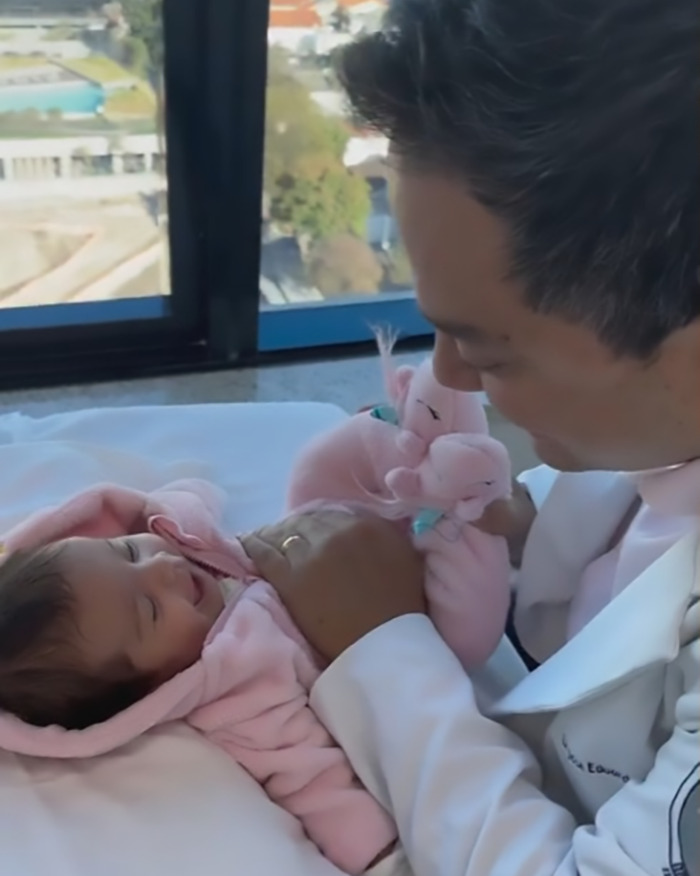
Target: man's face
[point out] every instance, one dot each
(584, 407)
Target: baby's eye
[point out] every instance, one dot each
(131, 551)
(154, 609)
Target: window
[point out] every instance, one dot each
(154, 217)
(332, 262)
(91, 197)
(81, 143)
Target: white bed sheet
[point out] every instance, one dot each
(170, 804)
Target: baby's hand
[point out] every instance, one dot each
(511, 518)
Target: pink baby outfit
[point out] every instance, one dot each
(248, 693)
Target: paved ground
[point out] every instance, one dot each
(117, 238)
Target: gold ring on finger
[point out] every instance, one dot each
(289, 541)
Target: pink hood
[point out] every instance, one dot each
(184, 512)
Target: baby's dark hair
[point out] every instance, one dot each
(43, 679)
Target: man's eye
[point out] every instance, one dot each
(154, 609)
(491, 368)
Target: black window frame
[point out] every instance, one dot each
(215, 81)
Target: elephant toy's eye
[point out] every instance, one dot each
(433, 413)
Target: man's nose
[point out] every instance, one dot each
(450, 369)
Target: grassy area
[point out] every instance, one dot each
(19, 62)
(17, 126)
(135, 102)
(62, 32)
(100, 69)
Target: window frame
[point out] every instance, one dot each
(215, 77)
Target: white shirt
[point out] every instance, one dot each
(587, 766)
(650, 535)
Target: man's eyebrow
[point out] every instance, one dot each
(466, 332)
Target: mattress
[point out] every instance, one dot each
(170, 803)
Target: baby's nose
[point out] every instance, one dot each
(170, 566)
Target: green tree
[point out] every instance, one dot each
(400, 272)
(144, 45)
(296, 129)
(340, 19)
(145, 21)
(343, 264)
(309, 188)
(136, 56)
(331, 203)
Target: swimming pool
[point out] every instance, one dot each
(84, 98)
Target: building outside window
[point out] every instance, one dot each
(81, 151)
(328, 232)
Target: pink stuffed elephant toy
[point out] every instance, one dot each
(427, 459)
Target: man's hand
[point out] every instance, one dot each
(511, 518)
(339, 575)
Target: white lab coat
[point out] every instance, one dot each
(588, 765)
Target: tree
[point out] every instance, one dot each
(343, 264)
(296, 128)
(400, 272)
(331, 203)
(340, 19)
(144, 46)
(145, 21)
(309, 188)
(136, 56)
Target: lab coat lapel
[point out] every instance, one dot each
(639, 628)
(573, 527)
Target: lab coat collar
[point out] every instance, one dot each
(639, 628)
(566, 536)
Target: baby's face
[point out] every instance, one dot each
(138, 599)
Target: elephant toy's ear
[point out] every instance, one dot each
(397, 381)
(402, 381)
(412, 446)
(404, 483)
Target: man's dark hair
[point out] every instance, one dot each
(43, 679)
(575, 121)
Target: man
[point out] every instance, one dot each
(548, 195)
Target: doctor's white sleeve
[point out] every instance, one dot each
(464, 790)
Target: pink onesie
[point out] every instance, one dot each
(249, 691)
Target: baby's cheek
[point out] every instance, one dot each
(186, 640)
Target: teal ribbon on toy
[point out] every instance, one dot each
(386, 414)
(425, 520)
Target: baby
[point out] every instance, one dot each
(121, 611)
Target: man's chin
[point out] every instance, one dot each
(557, 456)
